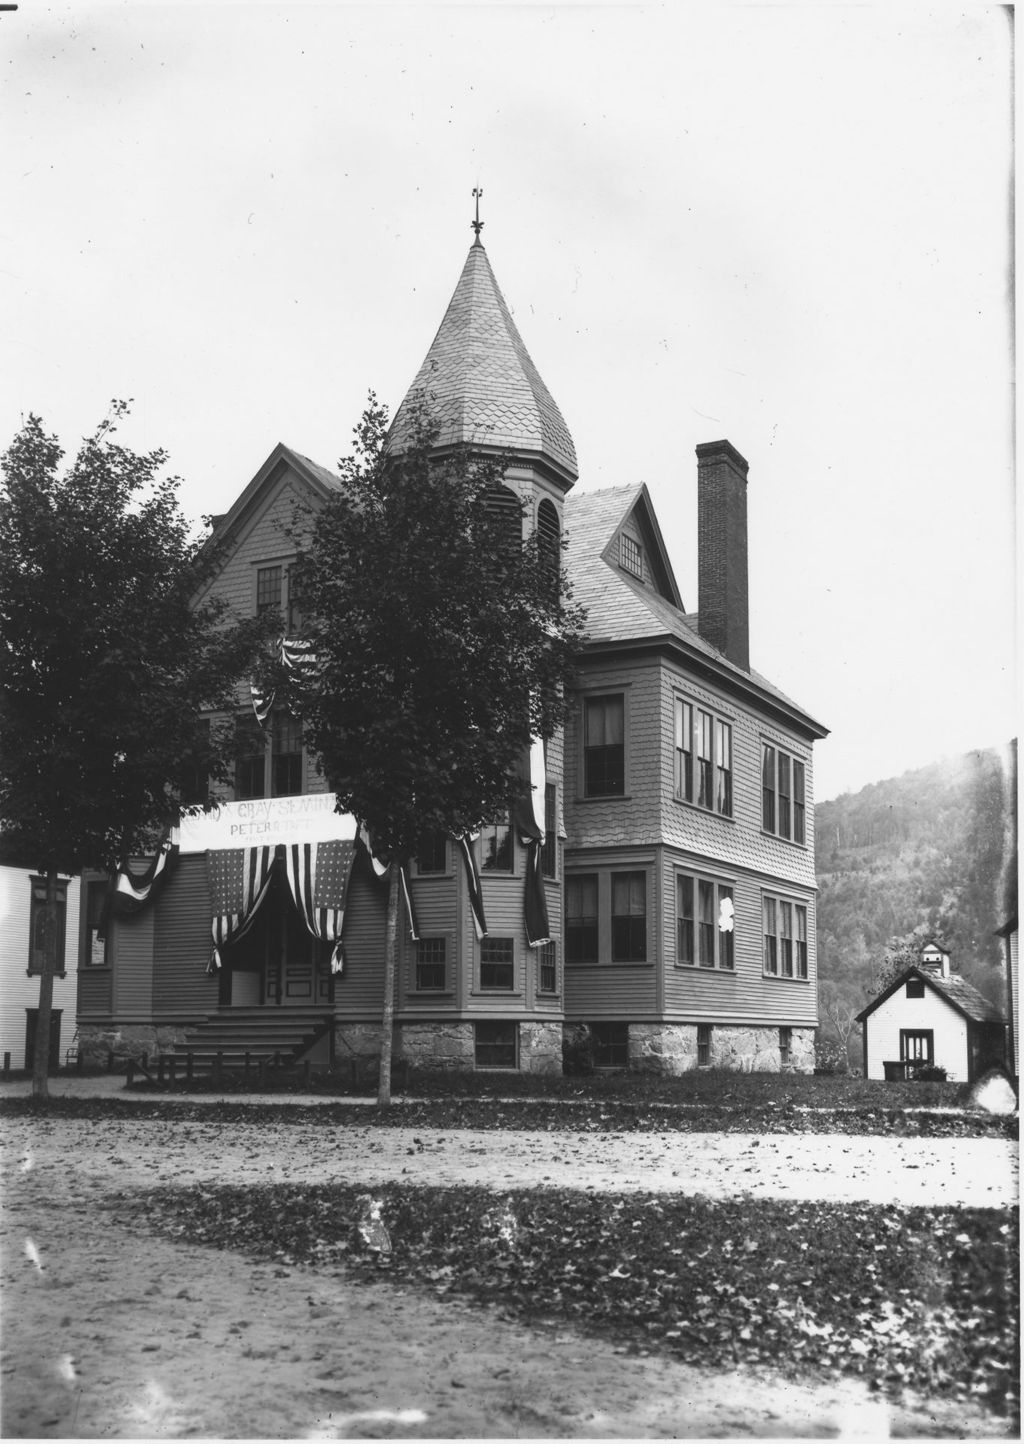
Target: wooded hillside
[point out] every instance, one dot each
(928, 854)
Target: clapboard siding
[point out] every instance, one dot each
(132, 948)
(182, 988)
(745, 995)
(739, 840)
(358, 992)
(932, 1011)
(436, 902)
(19, 989)
(604, 821)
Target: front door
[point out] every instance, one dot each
(277, 962)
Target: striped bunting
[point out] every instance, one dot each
(294, 654)
(464, 844)
(318, 876)
(131, 894)
(239, 881)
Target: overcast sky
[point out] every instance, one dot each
(787, 225)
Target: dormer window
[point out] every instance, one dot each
(631, 556)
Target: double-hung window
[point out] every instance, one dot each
(783, 794)
(285, 755)
(581, 932)
(629, 917)
(785, 938)
(703, 758)
(704, 923)
(497, 963)
(37, 925)
(497, 850)
(549, 847)
(547, 974)
(430, 965)
(268, 590)
(604, 746)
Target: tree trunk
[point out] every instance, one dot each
(51, 942)
(390, 968)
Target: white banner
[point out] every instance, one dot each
(266, 820)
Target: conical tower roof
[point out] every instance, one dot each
(480, 383)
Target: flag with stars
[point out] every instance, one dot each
(318, 876)
(239, 880)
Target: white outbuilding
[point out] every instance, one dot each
(932, 1017)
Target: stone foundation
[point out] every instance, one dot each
(540, 1047)
(445, 1046)
(127, 1040)
(671, 1048)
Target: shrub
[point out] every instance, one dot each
(929, 1073)
(577, 1051)
(830, 1056)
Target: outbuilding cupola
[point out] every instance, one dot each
(483, 388)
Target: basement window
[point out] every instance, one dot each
(610, 1044)
(496, 1044)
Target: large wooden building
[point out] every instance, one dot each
(674, 834)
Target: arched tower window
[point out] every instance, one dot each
(506, 510)
(549, 538)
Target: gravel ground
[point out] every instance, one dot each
(109, 1332)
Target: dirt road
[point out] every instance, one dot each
(111, 1333)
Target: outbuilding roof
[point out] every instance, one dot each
(480, 383)
(956, 991)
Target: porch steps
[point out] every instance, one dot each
(262, 1032)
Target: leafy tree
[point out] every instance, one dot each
(841, 1013)
(443, 642)
(900, 954)
(106, 663)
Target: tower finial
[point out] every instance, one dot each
(478, 224)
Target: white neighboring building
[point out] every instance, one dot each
(22, 899)
(930, 1015)
(1008, 932)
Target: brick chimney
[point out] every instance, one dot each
(722, 550)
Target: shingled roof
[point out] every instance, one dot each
(957, 991)
(622, 610)
(480, 382)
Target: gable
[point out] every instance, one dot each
(958, 995)
(255, 531)
(637, 550)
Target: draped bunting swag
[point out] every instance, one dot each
(317, 876)
(292, 653)
(130, 894)
(464, 844)
(528, 819)
(414, 927)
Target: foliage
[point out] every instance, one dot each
(924, 1298)
(106, 661)
(928, 854)
(443, 640)
(929, 1073)
(577, 1051)
(830, 1056)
